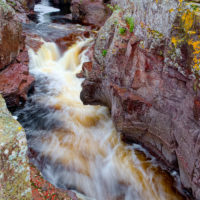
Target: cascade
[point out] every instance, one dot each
(78, 145)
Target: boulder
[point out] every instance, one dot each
(145, 68)
(90, 12)
(14, 164)
(15, 82)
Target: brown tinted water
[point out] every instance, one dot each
(77, 146)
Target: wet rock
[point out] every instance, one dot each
(33, 41)
(149, 79)
(61, 2)
(14, 167)
(15, 82)
(31, 4)
(67, 41)
(42, 189)
(90, 12)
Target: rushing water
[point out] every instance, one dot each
(44, 9)
(77, 146)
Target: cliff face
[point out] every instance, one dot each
(145, 67)
(15, 80)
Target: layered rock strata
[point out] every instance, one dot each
(145, 68)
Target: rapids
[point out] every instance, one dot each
(77, 146)
(44, 9)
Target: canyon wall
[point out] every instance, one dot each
(15, 80)
(14, 84)
(145, 68)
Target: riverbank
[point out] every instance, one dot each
(142, 66)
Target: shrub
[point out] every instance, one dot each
(131, 23)
(104, 52)
(122, 30)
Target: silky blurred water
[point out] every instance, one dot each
(77, 146)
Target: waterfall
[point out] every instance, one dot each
(44, 9)
(78, 145)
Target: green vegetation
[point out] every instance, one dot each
(6, 8)
(113, 8)
(104, 52)
(131, 23)
(194, 7)
(12, 3)
(122, 30)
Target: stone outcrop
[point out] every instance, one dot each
(15, 80)
(14, 166)
(90, 12)
(145, 68)
(11, 39)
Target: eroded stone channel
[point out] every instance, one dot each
(76, 146)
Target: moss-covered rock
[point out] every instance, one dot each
(14, 167)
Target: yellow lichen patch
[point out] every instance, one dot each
(196, 48)
(142, 24)
(174, 41)
(191, 32)
(187, 20)
(177, 40)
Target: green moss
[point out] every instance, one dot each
(104, 52)
(6, 8)
(12, 3)
(122, 30)
(113, 8)
(131, 23)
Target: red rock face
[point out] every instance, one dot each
(15, 82)
(151, 103)
(89, 12)
(43, 190)
(11, 41)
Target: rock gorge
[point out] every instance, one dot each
(144, 66)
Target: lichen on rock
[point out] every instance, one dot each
(150, 80)
(14, 165)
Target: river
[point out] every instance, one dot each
(76, 146)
